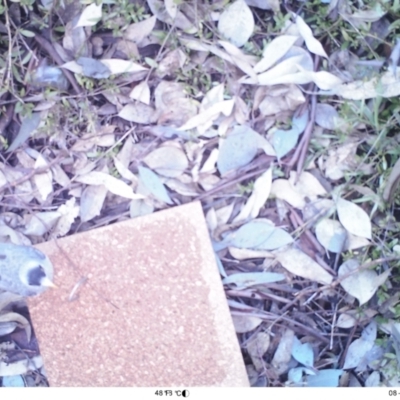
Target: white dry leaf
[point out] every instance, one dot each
(354, 218)
(327, 116)
(167, 161)
(257, 347)
(313, 45)
(274, 52)
(284, 68)
(44, 180)
(360, 284)
(211, 219)
(124, 171)
(90, 16)
(283, 189)
(69, 211)
(141, 92)
(245, 254)
(104, 137)
(324, 80)
(214, 96)
(358, 349)
(300, 264)
(223, 214)
(209, 164)
(117, 66)
(283, 353)
(137, 208)
(138, 31)
(60, 176)
(331, 234)
(242, 61)
(92, 201)
(172, 7)
(40, 223)
(244, 323)
(261, 191)
(114, 185)
(340, 160)
(385, 85)
(140, 113)
(306, 185)
(182, 188)
(211, 114)
(236, 23)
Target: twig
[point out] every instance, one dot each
(83, 280)
(261, 160)
(30, 174)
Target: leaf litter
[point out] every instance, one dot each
(282, 135)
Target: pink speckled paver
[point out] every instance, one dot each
(148, 307)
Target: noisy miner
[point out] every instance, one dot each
(24, 270)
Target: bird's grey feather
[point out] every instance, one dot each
(15, 262)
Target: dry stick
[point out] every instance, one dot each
(6, 118)
(307, 136)
(339, 280)
(55, 56)
(83, 280)
(267, 316)
(261, 160)
(29, 175)
(307, 232)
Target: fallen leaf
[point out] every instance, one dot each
(305, 31)
(361, 284)
(90, 16)
(114, 185)
(354, 218)
(274, 52)
(44, 180)
(300, 264)
(236, 23)
(244, 324)
(257, 199)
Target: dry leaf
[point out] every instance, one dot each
(114, 185)
(245, 323)
(236, 23)
(138, 31)
(274, 52)
(90, 15)
(305, 31)
(354, 218)
(141, 92)
(92, 201)
(300, 264)
(361, 284)
(261, 191)
(168, 161)
(43, 181)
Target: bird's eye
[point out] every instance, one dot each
(35, 276)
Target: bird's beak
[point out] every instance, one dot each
(48, 283)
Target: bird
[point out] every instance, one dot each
(24, 270)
